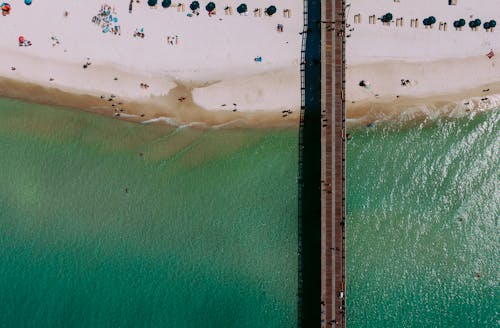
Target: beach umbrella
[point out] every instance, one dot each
(194, 5)
(426, 21)
(242, 8)
(432, 20)
(210, 7)
(493, 23)
(456, 24)
(166, 3)
(271, 10)
(462, 22)
(21, 39)
(387, 18)
(27, 2)
(364, 83)
(478, 22)
(472, 24)
(487, 26)
(152, 2)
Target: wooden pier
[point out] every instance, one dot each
(333, 293)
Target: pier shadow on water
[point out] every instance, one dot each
(310, 172)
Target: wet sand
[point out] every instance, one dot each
(179, 112)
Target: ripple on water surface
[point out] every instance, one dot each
(107, 223)
(423, 209)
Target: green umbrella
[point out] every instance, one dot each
(271, 10)
(478, 22)
(194, 5)
(487, 26)
(432, 19)
(462, 22)
(152, 2)
(166, 3)
(472, 24)
(493, 23)
(387, 18)
(242, 8)
(210, 7)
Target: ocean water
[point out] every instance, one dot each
(206, 234)
(423, 235)
(199, 231)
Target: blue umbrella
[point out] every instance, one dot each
(152, 2)
(210, 7)
(27, 2)
(486, 25)
(194, 5)
(166, 3)
(493, 23)
(242, 8)
(271, 10)
(387, 18)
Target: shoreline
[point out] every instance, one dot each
(155, 108)
(406, 109)
(244, 70)
(167, 110)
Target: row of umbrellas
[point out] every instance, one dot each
(195, 5)
(164, 3)
(458, 23)
(475, 23)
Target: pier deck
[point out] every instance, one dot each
(333, 165)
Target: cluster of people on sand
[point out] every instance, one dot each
(106, 19)
(405, 82)
(139, 33)
(23, 42)
(173, 39)
(87, 63)
(5, 8)
(144, 85)
(55, 41)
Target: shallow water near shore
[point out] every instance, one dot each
(201, 230)
(423, 208)
(110, 223)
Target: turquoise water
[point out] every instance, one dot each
(207, 233)
(423, 210)
(205, 236)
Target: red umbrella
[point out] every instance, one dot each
(21, 39)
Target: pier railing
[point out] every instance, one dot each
(300, 161)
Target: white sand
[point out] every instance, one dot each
(436, 62)
(210, 49)
(214, 60)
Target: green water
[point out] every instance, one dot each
(206, 235)
(423, 210)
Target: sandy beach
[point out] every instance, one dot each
(197, 67)
(414, 72)
(174, 65)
